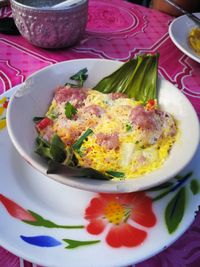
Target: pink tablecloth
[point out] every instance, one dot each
(115, 30)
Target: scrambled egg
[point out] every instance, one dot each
(126, 137)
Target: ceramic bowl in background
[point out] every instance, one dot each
(47, 27)
(33, 97)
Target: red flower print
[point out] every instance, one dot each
(121, 213)
(15, 210)
(5, 104)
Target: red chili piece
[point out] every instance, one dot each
(43, 123)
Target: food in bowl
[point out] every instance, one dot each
(194, 40)
(35, 96)
(111, 133)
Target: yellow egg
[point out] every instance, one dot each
(194, 39)
(134, 156)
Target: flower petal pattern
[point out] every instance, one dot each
(15, 210)
(2, 124)
(117, 211)
(125, 235)
(96, 226)
(41, 240)
(95, 209)
(143, 210)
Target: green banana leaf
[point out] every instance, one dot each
(137, 78)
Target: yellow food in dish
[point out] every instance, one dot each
(125, 136)
(194, 40)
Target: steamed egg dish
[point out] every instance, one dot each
(110, 133)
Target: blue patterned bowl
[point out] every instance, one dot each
(46, 27)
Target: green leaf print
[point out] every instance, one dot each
(175, 210)
(194, 186)
(76, 243)
(40, 221)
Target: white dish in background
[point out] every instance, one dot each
(34, 96)
(179, 30)
(23, 189)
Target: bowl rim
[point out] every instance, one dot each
(45, 9)
(112, 186)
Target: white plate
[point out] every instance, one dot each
(178, 32)
(34, 96)
(23, 189)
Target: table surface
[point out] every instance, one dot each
(115, 30)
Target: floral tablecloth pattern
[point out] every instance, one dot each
(116, 30)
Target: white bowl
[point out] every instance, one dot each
(34, 96)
